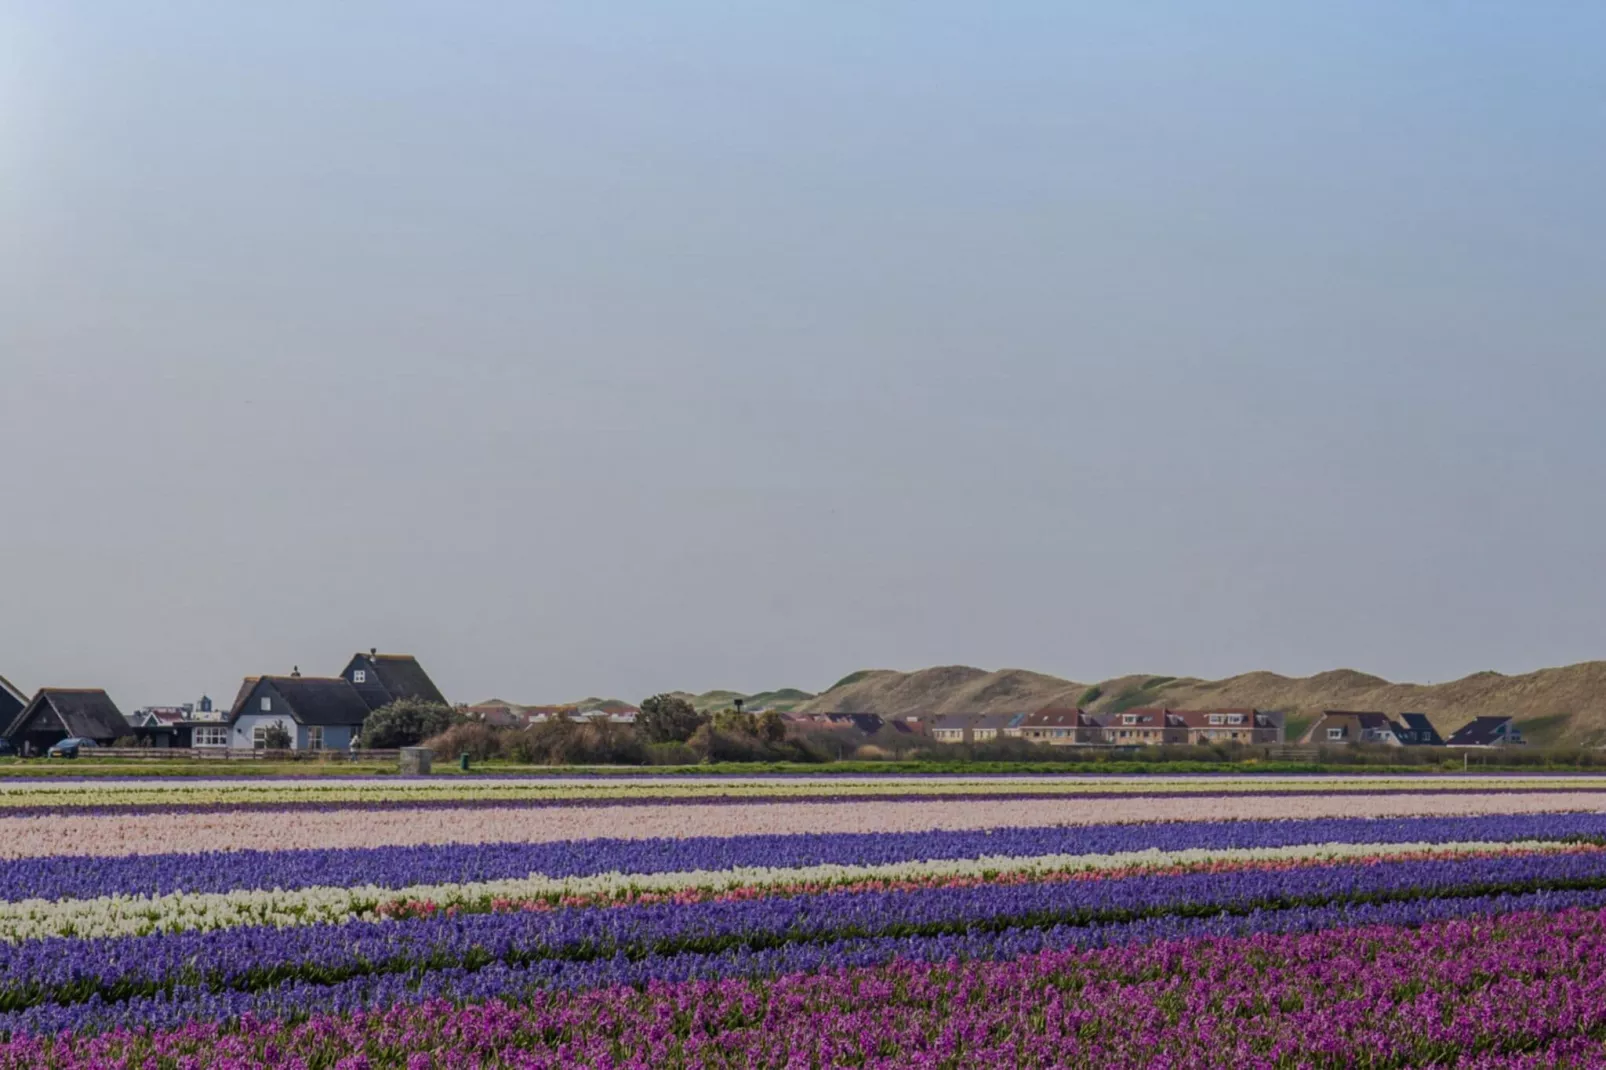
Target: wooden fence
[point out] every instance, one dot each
(247, 754)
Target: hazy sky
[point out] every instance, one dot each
(610, 348)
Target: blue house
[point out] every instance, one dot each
(317, 713)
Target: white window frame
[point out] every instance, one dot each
(259, 736)
(359, 676)
(1335, 733)
(1129, 718)
(315, 737)
(1215, 718)
(1236, 718)
(210, 737)
(267, 704)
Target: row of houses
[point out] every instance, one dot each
(501, 714)
(1409, 730)
(1068, 726)
(314, 712)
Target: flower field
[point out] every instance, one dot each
(954, 922)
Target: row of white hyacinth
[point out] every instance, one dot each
(16, 794)
(136, 915)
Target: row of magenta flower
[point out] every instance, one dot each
(57, 984)
(1518, 990)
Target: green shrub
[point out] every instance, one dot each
(480, 742)
(406, 722)
(671, 754)
(667, 719)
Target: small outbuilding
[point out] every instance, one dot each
(58, 713)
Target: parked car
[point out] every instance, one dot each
(7, 749)
(69, 748)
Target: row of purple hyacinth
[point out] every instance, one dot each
(297, 1000)
(69, 971)
(915, 795)
(55, 877)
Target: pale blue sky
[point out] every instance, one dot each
(589, 348)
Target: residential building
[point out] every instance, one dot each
(318, 713)
(866, 723)
(1060, 727)
(1345, 726)
(1351, 726)
(498, 714)
(973, 727)
(162, 726)
(1145, 726)
(1241, 725)
(384, 678)
(1416, 730)
(58, 713)
(157, 716)
(1486, 732)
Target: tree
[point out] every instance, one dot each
(734, 722)
(405, 723)
(667, 719)
(771, 726)
(276, 736)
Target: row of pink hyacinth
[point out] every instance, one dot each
(112, 835)
(1521, 990)
(623, 897)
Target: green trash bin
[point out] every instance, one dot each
(462, 762)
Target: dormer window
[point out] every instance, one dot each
(1129, 719)
(1236, 718)
(1215, 718)
(267, 704)
(359, 676)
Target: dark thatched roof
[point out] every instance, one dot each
(400, 675)
(86, 713)
(312, 700)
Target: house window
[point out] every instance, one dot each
(1215, 718)
(315, 737)
(1335, 733)
(211, 737)
(359, 676)
(1129, 719)
(267, 704)
(1236, 718)
(259, 735)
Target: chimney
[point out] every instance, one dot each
(295, 672)
(373, 651)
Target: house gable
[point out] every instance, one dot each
(38, 716)
(385, 678)
(86, 713)
(12, 702)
